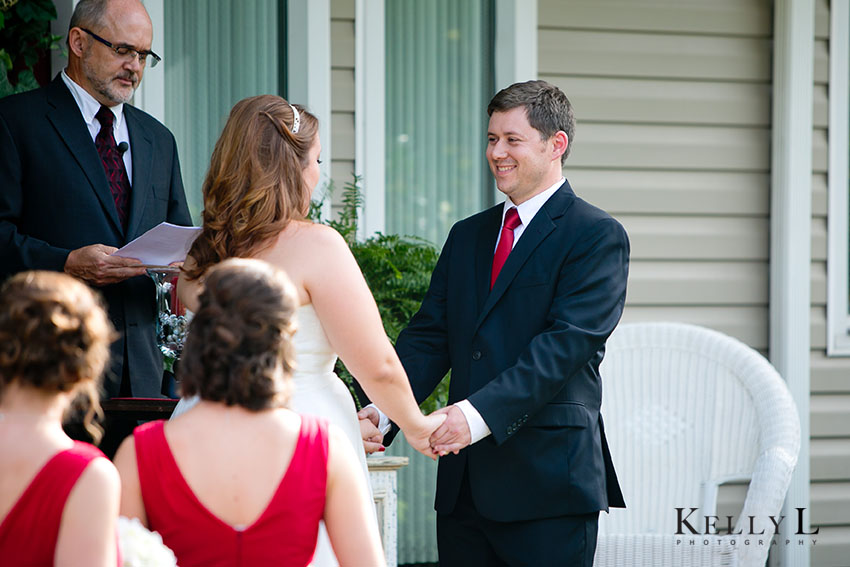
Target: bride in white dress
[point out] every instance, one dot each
(256, 197)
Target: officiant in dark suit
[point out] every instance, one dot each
(520, 305)
(82, 173)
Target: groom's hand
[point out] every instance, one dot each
(369, 432)
(453, 435)
(371, 414)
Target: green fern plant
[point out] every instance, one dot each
(397, 270)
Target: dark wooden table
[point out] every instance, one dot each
(140, 408)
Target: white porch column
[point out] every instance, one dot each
(369, 114)
(516, 49)
(516, 42)
(790, 237)
(308, 69)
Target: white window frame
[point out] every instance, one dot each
(150, 95)
(838, 310)
(369, 117)
(516, 54)
(308, 51)
(515, 42)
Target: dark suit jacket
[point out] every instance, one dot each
(526, 355)
(54, 198)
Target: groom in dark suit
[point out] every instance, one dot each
(82, 173)
(520, 304)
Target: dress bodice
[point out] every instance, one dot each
(313, 352)
(295, 508)
(29, 532)
(316, 390)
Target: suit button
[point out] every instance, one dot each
(476, 355)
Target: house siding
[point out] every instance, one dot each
(830, 376)
(673, 107)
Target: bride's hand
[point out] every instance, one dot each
(420, 438)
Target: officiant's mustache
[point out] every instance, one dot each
(129, 76)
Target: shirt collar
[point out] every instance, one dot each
(88, 105)
(529, 208)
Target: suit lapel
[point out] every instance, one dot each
(543, 223)
(142, 152)
(68, 122)
(485, 245)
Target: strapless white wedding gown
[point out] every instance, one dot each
(318, 391)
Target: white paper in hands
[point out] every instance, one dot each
(162, 245)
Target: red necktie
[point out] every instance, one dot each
(506, 243)
(113, 164)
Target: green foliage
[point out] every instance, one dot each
(397, 270)
(352, 201)
(24, 35)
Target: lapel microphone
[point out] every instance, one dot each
(123, 147)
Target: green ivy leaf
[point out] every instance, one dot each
(6, 87)
(26, 81)
(43, 11)
(27, 11)
(30, 58)
(25, 35)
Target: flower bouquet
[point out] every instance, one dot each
(141, 547)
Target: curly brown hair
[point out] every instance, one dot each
(239, 347)
(54, 336)
(254, 186)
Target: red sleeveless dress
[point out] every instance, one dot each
(284, 534)
(28, 533)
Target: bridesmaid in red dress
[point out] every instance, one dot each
(58, 498)
(240, 480)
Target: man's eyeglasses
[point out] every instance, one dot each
(125, 50)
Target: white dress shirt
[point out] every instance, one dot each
(478, 428)
(89, 106)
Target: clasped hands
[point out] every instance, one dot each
(449, 434)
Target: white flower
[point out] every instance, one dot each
(141, 547)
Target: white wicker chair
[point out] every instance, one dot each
(687, 409)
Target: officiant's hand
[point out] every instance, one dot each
(96, 265)
(372, 437)
(453, 435)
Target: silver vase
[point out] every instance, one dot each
(172, 317)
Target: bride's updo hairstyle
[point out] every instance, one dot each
(54, 337)
(255, 184)
(239, 346)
